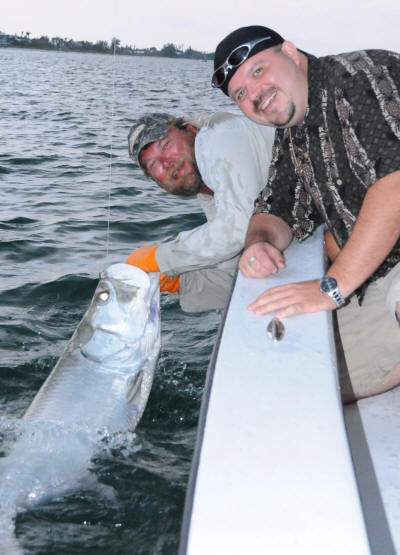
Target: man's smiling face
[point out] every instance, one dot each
(271, 87)
(171, 162)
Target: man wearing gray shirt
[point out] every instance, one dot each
(224, 160)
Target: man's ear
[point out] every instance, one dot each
(191, 128)
(289, 49)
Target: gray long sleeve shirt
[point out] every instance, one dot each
(233, 156)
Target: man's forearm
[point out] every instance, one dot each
(375, 233)
(269, 229)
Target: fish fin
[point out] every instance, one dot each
(133, 388)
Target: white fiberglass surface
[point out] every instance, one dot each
(275, 473)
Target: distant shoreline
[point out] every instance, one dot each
(158, 56)
(59, 44)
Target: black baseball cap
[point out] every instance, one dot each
(241, 37)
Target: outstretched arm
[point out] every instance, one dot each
(233, 158)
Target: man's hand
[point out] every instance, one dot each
(260, 260)
(292, 298)
(170, 284)
(144, 258)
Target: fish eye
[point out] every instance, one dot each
(103, 296)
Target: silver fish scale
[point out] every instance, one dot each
(100, 385)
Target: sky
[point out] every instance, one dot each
(316, 26)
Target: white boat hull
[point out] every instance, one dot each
(273, 470)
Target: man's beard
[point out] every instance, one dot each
(289, 118)
(190, 189)
(279, 124)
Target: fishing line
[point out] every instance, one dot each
(111, 153)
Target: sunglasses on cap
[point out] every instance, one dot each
(235, 59)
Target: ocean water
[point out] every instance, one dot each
(72, 203)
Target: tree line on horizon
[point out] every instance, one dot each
(169, 50)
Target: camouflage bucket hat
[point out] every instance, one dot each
(146, 130)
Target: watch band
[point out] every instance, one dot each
(337, 297)
(329, 285)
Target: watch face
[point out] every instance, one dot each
(328, 284)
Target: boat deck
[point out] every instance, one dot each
(273, 471)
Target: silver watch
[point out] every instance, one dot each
(329, 286)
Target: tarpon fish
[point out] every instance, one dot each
(100, 385)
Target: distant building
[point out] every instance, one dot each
(4, 39)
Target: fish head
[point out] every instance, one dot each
(124, 312)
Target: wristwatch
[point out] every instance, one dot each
(329, 285)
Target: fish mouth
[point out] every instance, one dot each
(121, 344)
(266, 101)
(112, 328)
(125, 274)
(89, 350)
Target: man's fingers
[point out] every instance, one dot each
(275, 256)
(292, 298)
(261, 260)
(273, 299)
(264, 266)
(258, 266)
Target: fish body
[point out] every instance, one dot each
(100, 385)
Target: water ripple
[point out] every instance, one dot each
(58, 200)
